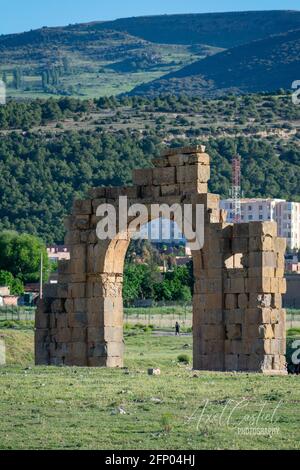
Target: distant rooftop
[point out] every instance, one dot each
(258, 199)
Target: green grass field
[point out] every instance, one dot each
(80, 408)
(92, 77)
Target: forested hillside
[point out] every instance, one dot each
(40, 174)
(115, 57)
(217, 29)
(52, 151)
(79, 61)
(265, 65)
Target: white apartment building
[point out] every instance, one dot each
(286, 214)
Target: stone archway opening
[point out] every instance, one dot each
(238, 320)
(105, 304)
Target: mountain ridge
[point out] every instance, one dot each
(261, 65)
(114, 57)
(207, 28)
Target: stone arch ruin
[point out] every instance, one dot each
(238, 320)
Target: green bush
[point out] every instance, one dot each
(166, 421)
(16, 325)
(293, 332)
(183, 359)
(16, 285)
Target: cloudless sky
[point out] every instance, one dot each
(23, 15)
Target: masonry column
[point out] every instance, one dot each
(208, 299)
(265, 321)
(105, 320)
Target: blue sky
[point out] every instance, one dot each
(22, 15)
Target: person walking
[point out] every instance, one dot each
(177, 329)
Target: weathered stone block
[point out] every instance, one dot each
(79, 349)
(160, 162)
(231, 362)
(81, 222)
(76, 290)
(232, 317)
(57, 306)
(95, 193)
(42, 320)
(63, 335)
(233, 347)
(240, 230)
(191, 173)
(178, 160)
(169, 189)
(234, 286)
(240, 245)
(164, 176)
(194, 187)
(231, 301)
(243, 301)
(63, 291)
(260, 300)
(279, 330)
(61, 320)
(259, 285)
(184, 150)
(257, 229)
(143, 177)
(77, 320)
(82, 207)
(234, 332)
(280, 245)
(72, 237)
(262, 243)
(50, 291)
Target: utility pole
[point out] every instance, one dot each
(41, 276)
(236, 189)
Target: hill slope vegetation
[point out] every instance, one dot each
(217, 29)
(115, 57)
(264, 65)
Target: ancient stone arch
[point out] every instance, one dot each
(238, 320)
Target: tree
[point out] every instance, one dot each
(45, 80)
(6, 279)
(177, 285)
(15, 285)
(4, 78)
(139, 281)
(20, 255)
(133, 275)
(17, 78)
(67, 65)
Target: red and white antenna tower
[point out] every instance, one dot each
(236, 189)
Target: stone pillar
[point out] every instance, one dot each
(265, 322)
(208, 299)
(235, 299)
(253, 287)
(105, 320)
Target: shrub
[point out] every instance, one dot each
(166, 421)
(183, 359)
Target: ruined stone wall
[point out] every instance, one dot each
(238, 322)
